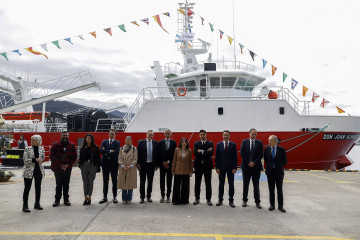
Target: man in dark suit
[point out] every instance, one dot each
(203, 164)
(109, 162)
(147, 164)
(275, 159)
(166, 151)
(226, 164)
(251, 152)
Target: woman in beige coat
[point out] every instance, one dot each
(127, 180)
(182, 168)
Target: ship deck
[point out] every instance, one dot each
(319, 204)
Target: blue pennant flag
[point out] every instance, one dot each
(18, 52)
(189, 28)
(293, 84)
(68, 39)
(264, 63)
(178, 38)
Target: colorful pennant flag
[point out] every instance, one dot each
(211, 27)
(190, 12)
(157, 19)
(122, 27)
(167, 14)
(264, 63)
(293, 84)
(273, 68)
(178, 38)
(44, 46)
(56, 43)
(35, 52)
(146, 20)
(81, 37)
(202, 21)
(284, 76)
(18, 52)
(324, 102)
(4, 55)
(135, 23)
(305, 89)
(108, 30)
(241, 48)
(314, 97)
(230, 39)
(221, 33)
(252, 55)
(340, 110)
(68, 39)
(181, 11)
(93, 33)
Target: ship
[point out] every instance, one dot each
(217, 96)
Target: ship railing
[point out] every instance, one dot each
(105, 124)
(55, 127)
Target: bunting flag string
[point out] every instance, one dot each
(284, 76)
(230, 39)
(221, 33)
(181, 11)
(108, 30)
(146, 20)
(167, 14)
(211, 27)
(135, 23)
(241, 48)
(93, 33)
(122, 27)
(189, 12)
(314, 97)
(252, 55)
(264, 63)
(273, 68)
(56, 43)
(305, 89)
(44, 46)
(4, 55)
(68, 39)
(35, 52)
(18, 52)
(157, 19)
(340, 110)
(293, 84)
(324, 102)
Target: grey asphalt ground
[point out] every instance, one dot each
(320, 205)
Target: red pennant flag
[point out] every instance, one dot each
(190, 12)
(93, 33)
(108, 30)
(35, 52)
(340, 110)
(157, 19)
(273, 69)
(134, 22)
(324, 103)
(314, 97)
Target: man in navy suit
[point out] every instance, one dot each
(203, 150)
(251, 152)
(275, 159)
(226, 164)
(147, 164)
(109, 162)
(166, 152)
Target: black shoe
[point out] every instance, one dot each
(209, 203)
(85, 202)
(176, 203)
(282, 209)
(244, 204)
(56, 204)
(115, 200)
(104, 200)
(67, 202)
(168, 200)
(196, 202)
(38, 206)
(271, 208)
(162, 200)
(149, 199)
(25, 208)
(89, 202)
(258, 205)
(232, 204)
(219, 203)
(141, 201)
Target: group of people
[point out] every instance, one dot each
(174, 161)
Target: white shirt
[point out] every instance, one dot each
(225, 143)
(250, 143)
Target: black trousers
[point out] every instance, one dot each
(253, 174)
(165, 174)
(181, 190)
(147, 171)
(37, 176)
(199, 172)
(275, 179)
(62, 179)
(108, 169)
(230, 177)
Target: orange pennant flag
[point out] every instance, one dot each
(134, 22)
(230, 39)
(305, 89)
(157, 19)
(340, 110)
(181, 11)
(273, 69)
(93, 33)
(35, 52)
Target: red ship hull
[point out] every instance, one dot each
(326, 150)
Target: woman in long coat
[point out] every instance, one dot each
(127, 180)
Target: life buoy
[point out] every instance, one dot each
(183, 93)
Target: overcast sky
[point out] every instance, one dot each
(314, 42)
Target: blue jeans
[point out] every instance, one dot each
(127, 194)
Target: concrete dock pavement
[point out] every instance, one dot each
(320, 205)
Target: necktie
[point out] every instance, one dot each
(110, 142)
(251, 149)
(149, 151)
(167, 145)
(273, 152)
(203, 143)
(226, 146)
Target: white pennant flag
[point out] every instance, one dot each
(314, 97)
(44, 46)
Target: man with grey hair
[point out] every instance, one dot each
(275, 159)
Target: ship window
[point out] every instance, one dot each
(250, 84)
(189, 60)
(190, 85)
(180, 84)
(240, 83)
(215, 82)
(228, 81)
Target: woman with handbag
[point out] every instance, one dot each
(127, 180)
(33, 159)
(89, 164)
